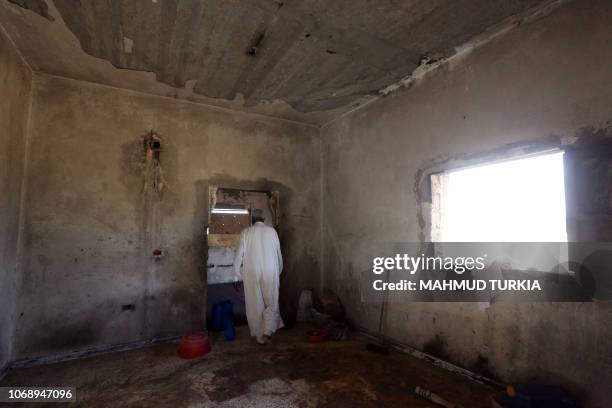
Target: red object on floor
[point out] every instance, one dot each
(194, 345)
(317, 336)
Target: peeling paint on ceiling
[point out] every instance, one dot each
(305, 60)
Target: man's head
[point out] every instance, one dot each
(258, 216)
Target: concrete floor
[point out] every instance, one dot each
(290, 372)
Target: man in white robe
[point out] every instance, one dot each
(260, 256)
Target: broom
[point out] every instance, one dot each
(382, 347)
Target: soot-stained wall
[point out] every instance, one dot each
(549, 79)
(15, 79)
(97, 207)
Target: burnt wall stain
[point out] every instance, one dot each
(151, 221)
(588, 185)
(149, 167)
(593, 135)
(437, 348)
(72, 336)
(133, 164)
(172, 308)
(481, 366)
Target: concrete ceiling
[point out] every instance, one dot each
(305, 60)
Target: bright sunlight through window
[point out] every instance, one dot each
(520, 200)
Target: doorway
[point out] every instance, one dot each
(231, 211)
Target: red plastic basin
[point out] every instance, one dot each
(317, 336)
(194, 345)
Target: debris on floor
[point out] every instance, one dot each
(289, 372)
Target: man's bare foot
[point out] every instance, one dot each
(261, 340)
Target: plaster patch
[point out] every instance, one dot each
(128, 44)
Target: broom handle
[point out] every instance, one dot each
(434, 398)
(383, 307)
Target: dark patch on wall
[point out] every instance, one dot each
(481, 366)
(37, 6)
(133, 163)
(436, 347)
(172, 309)
(591, 169)
(149, 172)
(591, 135)
(72, 336)
(588, 185)
(150, 183)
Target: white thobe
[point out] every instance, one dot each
(262, 263)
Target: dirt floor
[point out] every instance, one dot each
(290, 372)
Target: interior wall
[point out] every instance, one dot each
(15, 80)
(545, 80)
(93, 218)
